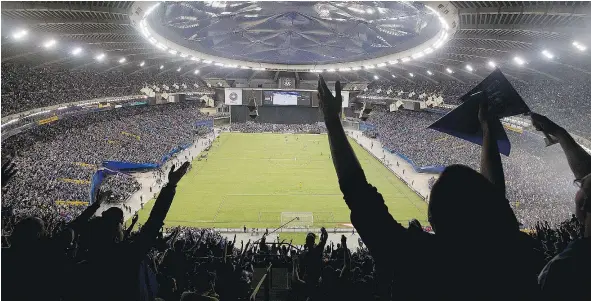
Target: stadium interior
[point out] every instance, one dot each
(296, 150)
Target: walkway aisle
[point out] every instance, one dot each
(148, 179)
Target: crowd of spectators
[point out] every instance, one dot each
(531, 170)
(56, 162)
(564, 101)
(25, 87)
(95, 258)
(258, 127)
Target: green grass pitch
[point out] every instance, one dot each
(249, 179)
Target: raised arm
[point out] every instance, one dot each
(578, 159)
(369, 214)
(149, 231)
(491, 166)
(133, 222)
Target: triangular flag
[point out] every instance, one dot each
(503, 101)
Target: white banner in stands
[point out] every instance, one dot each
(233, 96)
(345, 95)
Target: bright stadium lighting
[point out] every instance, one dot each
(77, 51)
(579, 46)
(330, 70)
(195, 59)
(405, 59)
(411, 75)
(418, 55)
(356, 68)
(179, 69)
(369, 67)
(449, 70)
(492, 64)
(344, 69)
(369, 11)
(469, 68)
(376, 77)
(219, 64)
(122, 60)
(172, 51)
(394, 76)
(100, 57)
(161, 67)
(394, 62)
(196, 72)
(518, 60)
(316, 70)
(244, 67)
(428, 50)
(547, 54)
(206, 61)
(429, 72)
(183, 55)
(142, 64)
(50, 43)
(20, 34)
(381, 64)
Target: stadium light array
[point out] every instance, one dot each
(381, 64)
(345, 69)
(142, 64)
(519, 61)
(393, 76)
(376, 77)
(579, 46)
(77, 51)
(316, 70)
(179, 69)
(100, 57)
(171, 51)
(492, 64)
(429, 72)
(469, 68)
(369, 11)
(122, 60)
(161, 67)
(369, 66)
(411, 75)
(449, 70)
(330, 70)
(405, 59)
(547, 54)
(394, 62)
(196, 71)
(19, 34)
(49, 44)
(207, 62)
(356, 68)
(195, 59)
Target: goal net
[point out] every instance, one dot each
(296, 220)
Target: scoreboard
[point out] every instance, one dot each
(264, 97)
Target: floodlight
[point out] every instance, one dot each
(178, 70)
(100, 57)
(405, 59)
(122, 60)
(469, 68)
(161, 67)
(20, 34)
(449, 70)
(142, 64)
(196, 72)
(548, 54)
(579, 46)
(411, 75)
(518, 60)
(330, 70)
(394, 76)
(77, 51)
(49, 43)
(492, 64)
(381, 64)
(429, 72)
(376, 77)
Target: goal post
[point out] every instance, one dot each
(297, 219)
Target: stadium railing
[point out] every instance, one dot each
(266, 283)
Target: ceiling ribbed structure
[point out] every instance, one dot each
(307, 33)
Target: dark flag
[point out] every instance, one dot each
(503, 101)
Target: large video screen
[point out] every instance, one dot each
(286, 98)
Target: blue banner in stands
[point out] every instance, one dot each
(98, 178)
(207, 123)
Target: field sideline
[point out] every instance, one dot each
(249, 177)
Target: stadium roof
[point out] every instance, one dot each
(359, 41)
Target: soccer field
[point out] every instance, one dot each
(249, 179)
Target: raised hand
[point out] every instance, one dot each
(135, 218)
(8, 170)
(331, 105)
(174, 176)
(542, 123)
